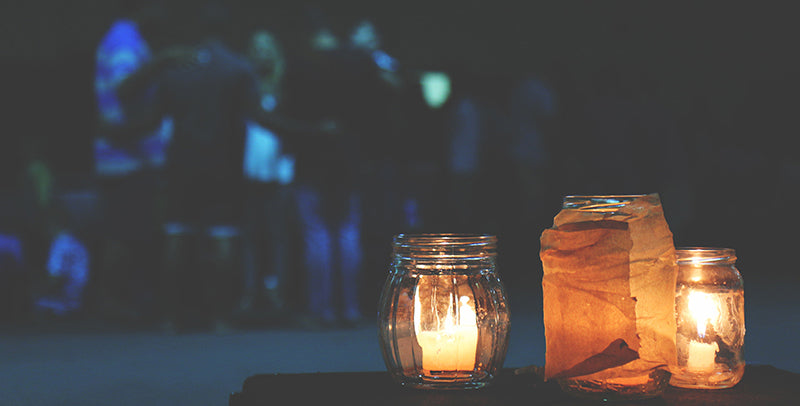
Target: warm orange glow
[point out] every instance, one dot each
(703, 309)
(451, 344)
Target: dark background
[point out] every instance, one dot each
(724, 73)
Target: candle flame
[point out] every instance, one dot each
(703, 309)
(445, 327)
(466, 315)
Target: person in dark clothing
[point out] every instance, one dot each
(269, 174)
(209, 100)
(127, 173)
(333, 83)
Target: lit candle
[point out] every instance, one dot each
(454, 346)
(704, 310)
(709, 311)
(443, 318)
(701, 356)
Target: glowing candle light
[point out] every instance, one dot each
(709, 306)
(443, 319)
(452, 347)
(704, 310)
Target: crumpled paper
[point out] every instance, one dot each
(608, 287)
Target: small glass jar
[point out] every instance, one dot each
(443, 318)
(709, 310)
(608, 289)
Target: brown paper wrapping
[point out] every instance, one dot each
(608, 286)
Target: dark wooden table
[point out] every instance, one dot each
(761, 385)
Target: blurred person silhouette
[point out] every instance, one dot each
(471, 118)
(62, 291)
(210, 101)
(12, 262)
(530, 116)
(129, 154)
(14, 278)
(49, 242)
(405, 190)
(497, 145)
(420, 176)
(322, 87)
(25, 211)
(375, 112)
(269, 173)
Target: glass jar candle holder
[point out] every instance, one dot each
(709, 309)
(443, 318)
(609, 292)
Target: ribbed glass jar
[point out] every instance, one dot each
(709, 309)
(443, 318)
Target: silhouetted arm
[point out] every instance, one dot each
(146, 75)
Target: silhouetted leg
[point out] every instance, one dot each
(178, 246)
(223, 276)
(317, 254)
(351, 261)
(274, 279)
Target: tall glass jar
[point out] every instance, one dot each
(608, 288)
(709, 308)
(443, 318)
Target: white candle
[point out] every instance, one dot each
(701, 356)
(454, 346)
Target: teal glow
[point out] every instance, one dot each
(435, 88)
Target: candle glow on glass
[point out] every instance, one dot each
(453, 347)
(709, 304)
(443, 318)
(704, 309)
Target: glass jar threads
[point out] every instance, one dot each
(443, 318)
(709, 309)
(608, 288)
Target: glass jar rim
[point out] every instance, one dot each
(602, 202)
(690, 255)
(445, 238)
(445, 246)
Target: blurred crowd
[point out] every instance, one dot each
(252, 184)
